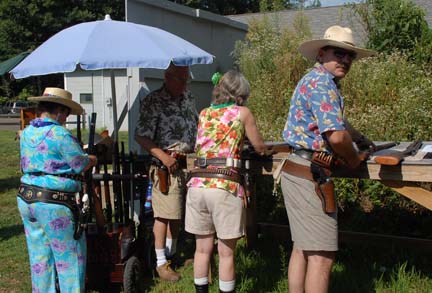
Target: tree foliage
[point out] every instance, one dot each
(224, 7)
(396, 25)
(25, 24)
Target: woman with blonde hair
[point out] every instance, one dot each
(215, 196)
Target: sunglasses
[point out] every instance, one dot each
(341, 53)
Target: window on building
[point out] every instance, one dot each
(86, 98)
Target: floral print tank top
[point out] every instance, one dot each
(220, 135)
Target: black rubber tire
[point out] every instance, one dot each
(133, 276)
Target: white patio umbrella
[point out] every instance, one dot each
(109, 44)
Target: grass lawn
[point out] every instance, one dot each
(359, 268)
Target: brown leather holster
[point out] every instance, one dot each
(164, 179)
(324, 186)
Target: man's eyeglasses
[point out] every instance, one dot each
(341, 53)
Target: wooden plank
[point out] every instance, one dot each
(412, 191)
(407, 171)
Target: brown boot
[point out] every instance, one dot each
(166, 273)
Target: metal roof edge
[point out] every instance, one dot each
(198, 13)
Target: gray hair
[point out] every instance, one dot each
(232, 87)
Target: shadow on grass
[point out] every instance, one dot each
(9, 183)
(358, 268)
(11, 231)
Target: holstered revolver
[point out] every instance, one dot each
(163, 175)
(324, 188)
(325, 192)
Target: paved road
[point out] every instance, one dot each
(9, 123)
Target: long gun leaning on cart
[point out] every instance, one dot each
(117, 189)
(89, 188)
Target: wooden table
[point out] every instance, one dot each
(404, 178)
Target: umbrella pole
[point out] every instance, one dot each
(114, 105)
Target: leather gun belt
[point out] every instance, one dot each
(216, 173)
(31, 194)
(223, 162)
(297, 170)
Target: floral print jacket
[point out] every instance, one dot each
(48, 147)
(316, 107)
(220, 135)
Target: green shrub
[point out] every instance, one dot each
(270, 61)
(389, 98)
(397, 25)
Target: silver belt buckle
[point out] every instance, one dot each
(201, 162)
(229, 162)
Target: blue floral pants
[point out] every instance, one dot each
(49, 230)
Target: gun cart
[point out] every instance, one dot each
(119, 234)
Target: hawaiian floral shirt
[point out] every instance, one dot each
(167, 120)
(316, 107)
(220, 135)
(48, 147)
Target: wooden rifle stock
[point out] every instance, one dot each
(278, 147)
(97, 195)
(393, 157)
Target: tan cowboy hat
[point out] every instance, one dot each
(59, 96)
(336, 36)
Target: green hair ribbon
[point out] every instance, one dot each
(216, 78)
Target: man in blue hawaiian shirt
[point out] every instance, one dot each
(316, 125)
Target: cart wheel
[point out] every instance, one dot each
(133, 276)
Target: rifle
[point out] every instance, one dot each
(97, 196)
(117, 190)
(108, 207)
(79, 128)
(86, 200)
(385, 146)
(393, 157)
(125, 186)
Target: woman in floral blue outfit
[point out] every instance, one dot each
(51, 160)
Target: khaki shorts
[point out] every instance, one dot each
(311, 228)
(168, 206)
(210, 210)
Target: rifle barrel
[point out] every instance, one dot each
(385, 146)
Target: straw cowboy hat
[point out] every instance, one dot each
(335, 36)
(59, 96)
